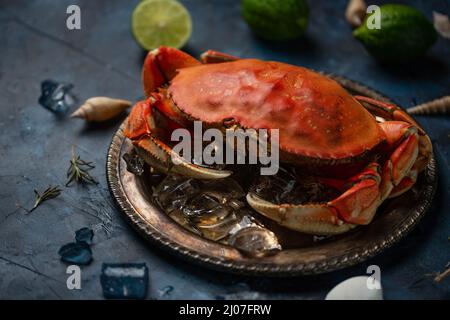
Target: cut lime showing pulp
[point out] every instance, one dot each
(161, 23)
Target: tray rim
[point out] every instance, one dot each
(263, 269)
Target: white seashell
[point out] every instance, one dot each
(355, 12)
(357, 288)
(98, 109)
(441, 24)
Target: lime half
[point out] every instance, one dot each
(161, 23)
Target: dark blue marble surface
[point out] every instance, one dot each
(103, 59)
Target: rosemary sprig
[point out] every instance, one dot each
(441, 276)
(78, 170)
(49, 193)
(444, 274)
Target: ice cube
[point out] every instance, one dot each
(206, 204)
(84, 235)
(78, 253)
(210, 214)
(227, 188)
(255, 241)
(289, 187)
(56, 96)
(124, 280)
(135, 164)
(219, 230)
(274, 188)
(310, 190)
(174, 191)
(208, 208)
(245, 221)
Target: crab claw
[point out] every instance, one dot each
(141, 129)
(315, 219)
(162, 158)
(355, 206)
(161, 65)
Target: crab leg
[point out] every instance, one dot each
(357, 205)
(161, 65)
(405, 184)
(169, 109)
(392, 112)
(141, 129)
(405, 136)
(399, 175)
(315, 219)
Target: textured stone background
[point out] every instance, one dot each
(103, 59)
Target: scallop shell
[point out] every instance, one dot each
(355, 12)
(438, 106)
(98, 109)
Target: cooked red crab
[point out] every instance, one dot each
(323, 129)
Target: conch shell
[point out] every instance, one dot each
(98, 109)
(355, 12)
(438, 106)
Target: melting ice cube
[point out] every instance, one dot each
(124, 280)
(174, 191)
(135, 164)
(56, 96)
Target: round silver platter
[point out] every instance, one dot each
(394, 220)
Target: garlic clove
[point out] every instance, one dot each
(98, 109)
(355, 12)
(441, 24)
(357, 288)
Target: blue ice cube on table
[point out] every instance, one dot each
(78, 253)
(84, 235)
(56, 96)
(124, 280)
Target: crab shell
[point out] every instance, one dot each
(318, 120)
(321, 126)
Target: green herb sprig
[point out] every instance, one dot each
(78, 170)
(49, 193)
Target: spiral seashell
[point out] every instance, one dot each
(355, 12)
(438, 106)
(98, 109)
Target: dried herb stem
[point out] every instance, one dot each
(442, 275)
(49, 193)
(78, 170)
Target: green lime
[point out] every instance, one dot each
(277, 20)
(161, 23)
(405, 34)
